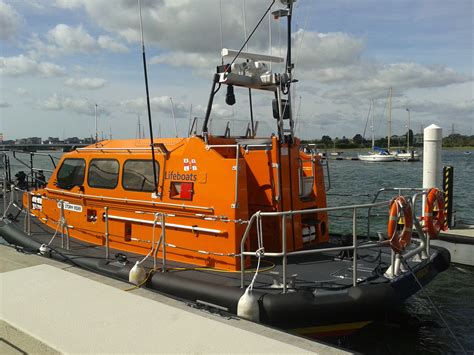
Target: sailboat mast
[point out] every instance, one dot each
(408, 131)
(372, 123)
(389, 118)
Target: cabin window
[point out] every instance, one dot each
(138, 175)
(71, 173)
(103, 173)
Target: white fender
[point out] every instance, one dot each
(43, 249)
(137, 274)
(248, 307)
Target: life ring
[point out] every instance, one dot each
(434, 216)
(400, 215)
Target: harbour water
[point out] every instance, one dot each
(452, 291)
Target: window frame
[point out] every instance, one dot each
(83, 177)
(141, 160)
(103, 187)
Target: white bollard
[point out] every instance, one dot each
(432, 169)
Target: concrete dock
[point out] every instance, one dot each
(50, 307)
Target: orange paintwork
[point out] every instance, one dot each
(212, 205)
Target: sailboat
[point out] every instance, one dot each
(408, 155)
(376, 154)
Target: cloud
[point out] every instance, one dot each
(86, 83)
(4, 104)
(177, 25)
(447, 109)
(68, 4)
(379, 78)
(9, 21)
(64, 39)
(80, 106)
(108, 43)
(21, 91)
(22, 65)
(71, 39)
(182, 59)
(315, 51)
(158, 103)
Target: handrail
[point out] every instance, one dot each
(324, 162)
(153, 203)
(284, 254)
(158, 146)
(388, 189)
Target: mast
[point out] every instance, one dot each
(96, 133)
(152, 145)
(372, 124)
(174, 118)
(389, 117)
(408, 131)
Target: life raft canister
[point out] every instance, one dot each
(434, 216)
(400, 215)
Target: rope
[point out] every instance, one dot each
(153, 239)
(432, 304)
(151, 272)
(259, 252)
(54, 235)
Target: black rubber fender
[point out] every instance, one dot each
(443, 259)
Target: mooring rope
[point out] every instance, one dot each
(432, 304)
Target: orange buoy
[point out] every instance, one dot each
(434, 216)
(400, 215)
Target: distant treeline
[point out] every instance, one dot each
(458, 140)
(453, 140)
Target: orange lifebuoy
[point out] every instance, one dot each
(400, 215)
(434, 216)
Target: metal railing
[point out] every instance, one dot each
(284, 254)
(314, 149)
(389, 189)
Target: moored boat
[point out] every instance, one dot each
(377, 155)
(407, 155)
(236, 224)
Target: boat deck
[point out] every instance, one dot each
(324, 271)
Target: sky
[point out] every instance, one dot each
(61, 58)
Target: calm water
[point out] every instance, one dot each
(452, 291)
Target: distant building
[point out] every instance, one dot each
(20, 141)
(34, 140)
(418, 138)
(52, 140)
(72, 140)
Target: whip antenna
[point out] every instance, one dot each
(152, 146)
